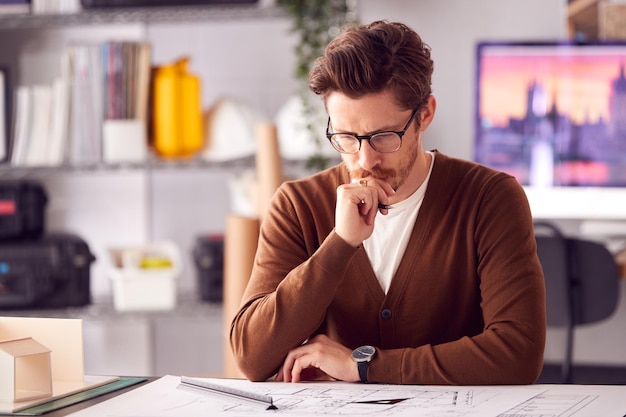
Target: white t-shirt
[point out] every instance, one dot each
(386, 246)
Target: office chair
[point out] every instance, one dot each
(582, 284)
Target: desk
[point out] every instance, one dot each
(161, 398)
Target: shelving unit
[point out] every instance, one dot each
(144, 16)
(180, 14)
(153, 163)
(118, 204)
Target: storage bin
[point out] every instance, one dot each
(144, 277)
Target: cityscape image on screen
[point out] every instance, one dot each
(553, 114)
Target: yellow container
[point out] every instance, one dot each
(177, 114)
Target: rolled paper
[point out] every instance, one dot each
(268, 164)
(240, 243)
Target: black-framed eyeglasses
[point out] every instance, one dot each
(384, 142)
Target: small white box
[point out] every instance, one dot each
(124, 140)
(140, 288)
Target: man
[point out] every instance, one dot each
(398, 265)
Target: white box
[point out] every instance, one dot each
(124, 140)
(136, 288)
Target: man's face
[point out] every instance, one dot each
(372, 114)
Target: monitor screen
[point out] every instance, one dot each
(553, 114)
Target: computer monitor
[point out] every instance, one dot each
(553, 114)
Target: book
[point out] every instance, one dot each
(37, 149)
(21, 125)
(107, 81)
(3, 117)
(127, 69)
(59, 121)
(59, 130)
(143, 82)
(86, 112)
(40, 123)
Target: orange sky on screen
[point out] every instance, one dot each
(581, 87)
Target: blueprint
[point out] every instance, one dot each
(163, 398)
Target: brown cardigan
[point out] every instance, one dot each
(466, 305)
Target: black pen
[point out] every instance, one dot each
(384, 206)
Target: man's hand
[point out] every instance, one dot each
(357, 206)
(319, 358)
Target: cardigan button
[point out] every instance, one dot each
(386, 313)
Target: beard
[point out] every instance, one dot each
(393, 176)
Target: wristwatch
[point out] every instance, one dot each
(362, 356)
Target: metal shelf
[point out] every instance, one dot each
(147, 15)
(9, 171)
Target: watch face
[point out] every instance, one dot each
(363, 353)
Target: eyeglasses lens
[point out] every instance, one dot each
(382, 142)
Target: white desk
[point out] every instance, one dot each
(162, 398)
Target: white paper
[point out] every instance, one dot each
(162, 398)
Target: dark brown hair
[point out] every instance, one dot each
(371, 58)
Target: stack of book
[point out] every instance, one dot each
(62, 122)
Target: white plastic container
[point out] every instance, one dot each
(138, 288)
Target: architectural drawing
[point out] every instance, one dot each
(162, 398)
(345, 400)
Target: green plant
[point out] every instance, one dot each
(316, 22)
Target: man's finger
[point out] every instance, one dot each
(296, 369)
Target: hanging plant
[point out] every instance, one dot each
(316, 22)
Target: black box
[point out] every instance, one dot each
(22, 209)
(208, 255)
(50, 272)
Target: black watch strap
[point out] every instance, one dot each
(362, 367)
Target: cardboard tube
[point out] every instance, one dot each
(269, 166)
(240, 243)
